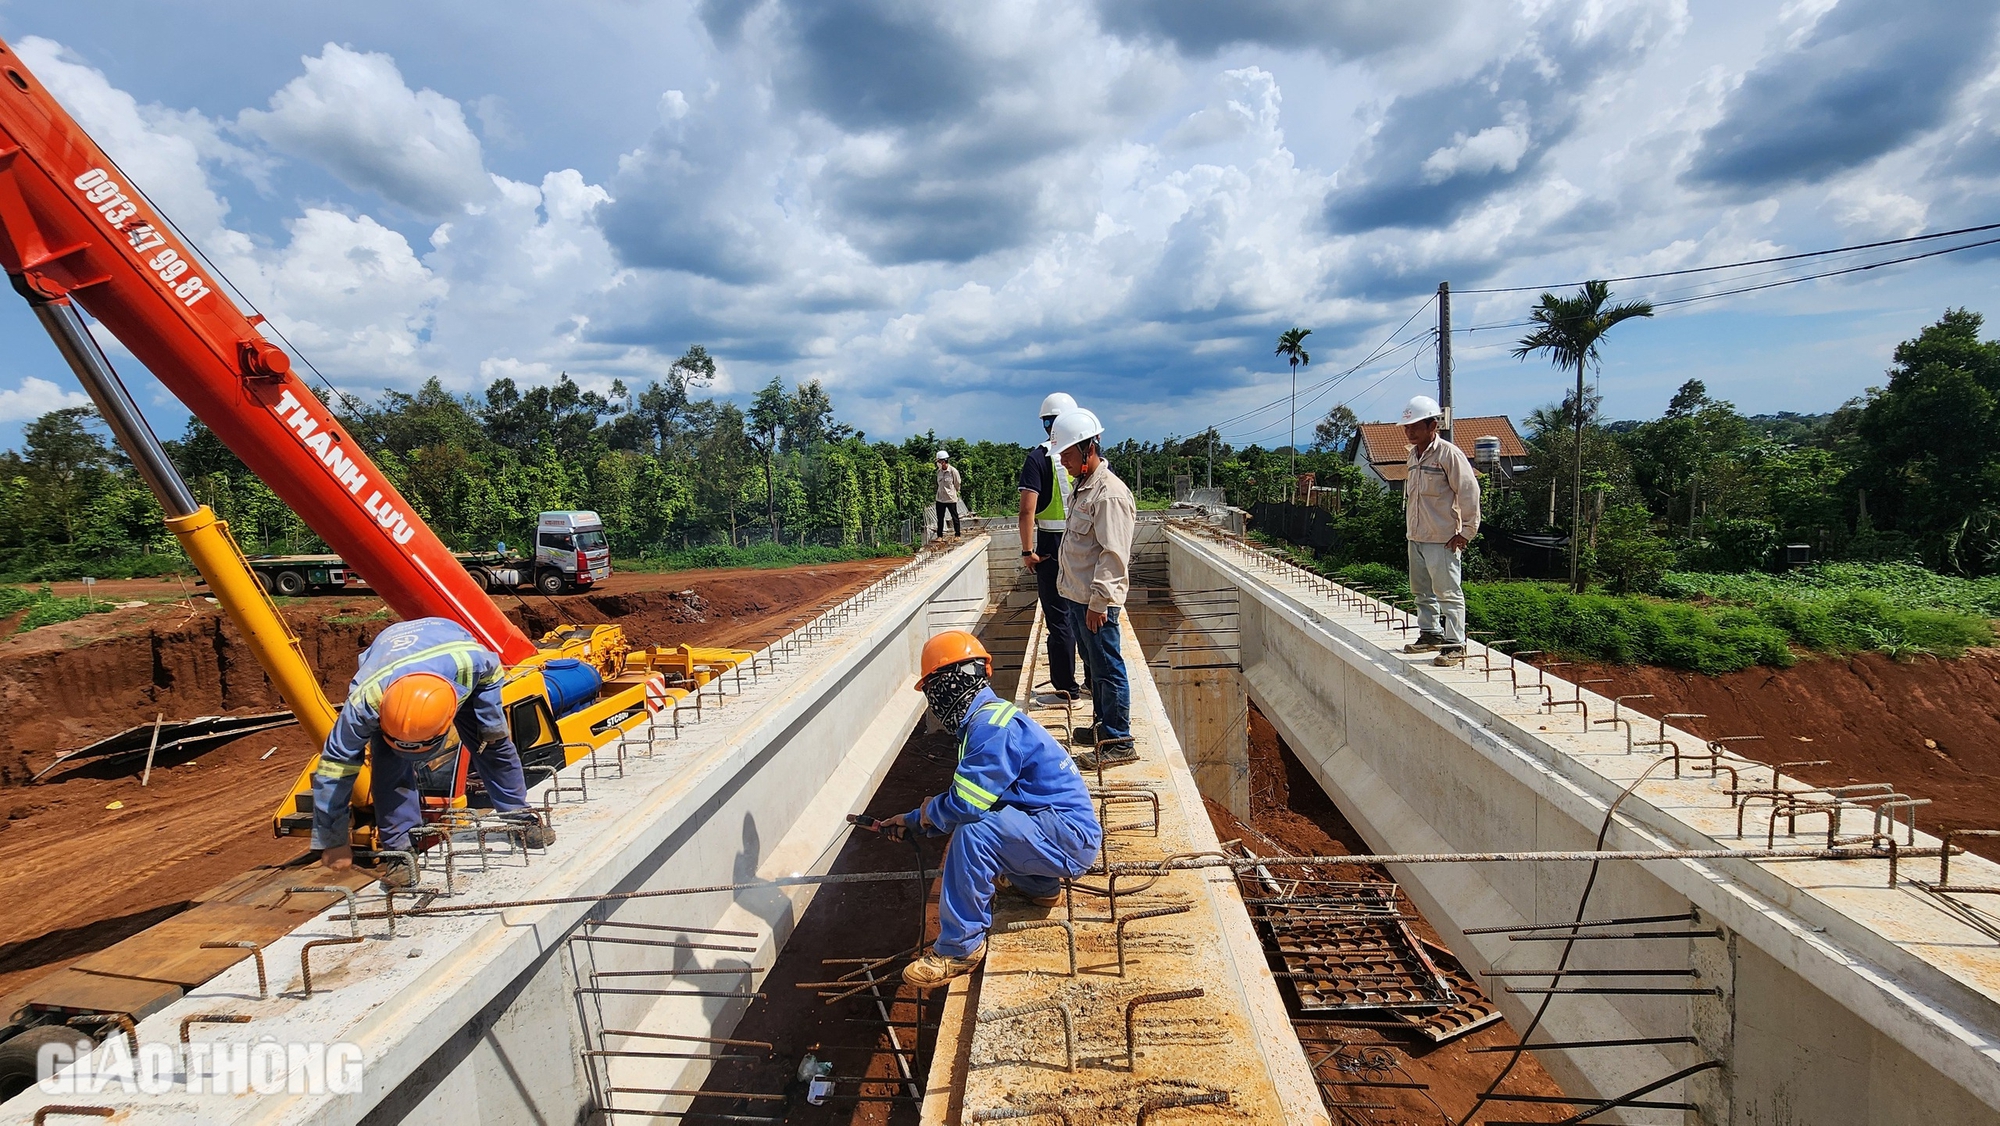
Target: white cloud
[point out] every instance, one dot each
(36, 397)
(352, 113)
(1497, 148)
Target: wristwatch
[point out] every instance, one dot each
(1027, 553)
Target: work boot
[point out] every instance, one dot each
(1053, 698)
(1449, 656)
(538, 836)
(1083, 736)
(1425, 643)
(935, 969)
(1007, 885)
(395, 872)
(1108, 753)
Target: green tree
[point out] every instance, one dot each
(1928, 457)
(770, 413)
(1333, 432)
(1292, 347)
(1570, 332)
(1629, 552)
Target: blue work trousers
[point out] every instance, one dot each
(1035, 851)
(1055, 616)
(399, 806)
(1110, 692)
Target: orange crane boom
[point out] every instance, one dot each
(72, 227)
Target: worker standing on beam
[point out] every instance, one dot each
(948, 481)
(1017, 811)
(1095, 577)
(1045, 489)
(1441, 515)
(424, 690)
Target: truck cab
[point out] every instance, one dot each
(571, 551)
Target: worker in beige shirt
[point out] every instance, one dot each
(1441, 512)
(1093, 575)
(947, 492)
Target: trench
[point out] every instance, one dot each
(1371, 1065)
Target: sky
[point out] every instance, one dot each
(945, 211)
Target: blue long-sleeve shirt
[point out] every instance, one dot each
(432, 645)
(1004, 757)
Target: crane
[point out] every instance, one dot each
(77, 235)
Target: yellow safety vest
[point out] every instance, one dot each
(1054, 511)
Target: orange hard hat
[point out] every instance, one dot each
(952, 647)
(418, 707)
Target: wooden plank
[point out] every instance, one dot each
(74, 990)
(171, 951)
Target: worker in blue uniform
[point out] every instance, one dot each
(425, 688)
(1018, 813)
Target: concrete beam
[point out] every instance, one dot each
(484, 1016)
(1841, 999)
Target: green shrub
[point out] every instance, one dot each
(763, 555)
(44, 608)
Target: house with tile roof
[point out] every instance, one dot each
(1380, 449)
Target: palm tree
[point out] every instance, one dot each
(1569, 330)
(1292, 346)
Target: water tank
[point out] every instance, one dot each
(1486, 450)
(572, 684)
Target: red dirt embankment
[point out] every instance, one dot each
(77, 876)
(1931, 727)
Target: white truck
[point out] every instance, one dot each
(571, 553)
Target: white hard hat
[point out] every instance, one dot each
(1056, 404)
(1421, 408)
(943, 454)
(1073, 426)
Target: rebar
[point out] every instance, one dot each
(1132, 1012)
(305, 957)
(1011, 1113)
(124, 1023)
(1136, 916)
(256, 953)
(1054, 1005)
(1069, 931)
(353, 919)
(211, 1018)
(1172, 1102)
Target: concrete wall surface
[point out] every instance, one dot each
(485, 1016)
(1826, 995)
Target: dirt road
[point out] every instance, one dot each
(77, 876)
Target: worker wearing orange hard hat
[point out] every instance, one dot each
(1018, 813)
(425, 692)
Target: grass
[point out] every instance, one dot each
(1719, 623)
(45, 608)
(763, 555)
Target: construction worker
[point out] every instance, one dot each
(424, 689)
(1441, 514)
(947, 492)
(1045, 488)
(1017, 811)
(1094, 575)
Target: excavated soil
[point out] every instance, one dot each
(1290, 810)
(1931, 727)
(79, 875)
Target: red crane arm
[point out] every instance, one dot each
(72, 227)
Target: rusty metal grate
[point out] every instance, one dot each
(1349, 946)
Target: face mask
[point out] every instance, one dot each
(949, 693)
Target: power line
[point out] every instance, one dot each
(1359, 365)
(1750, 261)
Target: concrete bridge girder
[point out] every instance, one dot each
(1840, 1000)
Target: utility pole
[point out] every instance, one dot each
(1444, 358)
(1211, 458)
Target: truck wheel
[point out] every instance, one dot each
(483, 580)
(18, 1056)
(550, 582)
(289, 583)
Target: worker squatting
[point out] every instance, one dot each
(318, 437)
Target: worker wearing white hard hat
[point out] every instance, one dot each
(1093, 573)
(948, 482)
(1441, 515)
(1045, 489)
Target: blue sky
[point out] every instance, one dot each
(945, 211)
